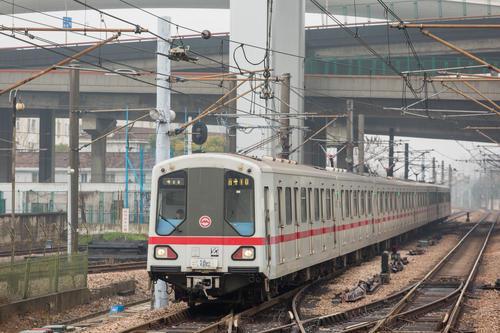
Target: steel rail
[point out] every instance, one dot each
(226, 322)
(451, 319)
(398, 307)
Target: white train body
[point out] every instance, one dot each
(248, 224)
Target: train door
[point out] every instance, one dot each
(310, 220)
(296, 223)
(328, 228)
(304, 223)
(281, 226)
(289, 226)
(267, 227)
(334, 216)
(322, 218)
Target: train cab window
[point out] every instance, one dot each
(171, 202)
(317, 207)
(280, 214)
(288, 206)
(239, 202)
(303, 205)
(328, 205)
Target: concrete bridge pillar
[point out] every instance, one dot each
(96, 127)
(249, 25)
(6, 146)
(46, 160)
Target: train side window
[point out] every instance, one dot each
(309, 204)
(288, 205)
(303, 205)
(280, 195)
(317, 207)
(370, 204)
(355, 202)
(349, 203)
(296, 205)
(334, 200)
(363, 203)
(342, 204)
(328, 205)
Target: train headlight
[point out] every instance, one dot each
(165, 252)
(244, 253)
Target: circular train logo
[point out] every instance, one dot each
(205, 221)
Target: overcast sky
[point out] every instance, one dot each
(215, 21)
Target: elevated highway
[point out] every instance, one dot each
(336, 66)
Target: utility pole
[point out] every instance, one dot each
(407, 160)
(350, 133)
(160, 297)
(74, 130)
(442, 172)
(284, 113)
(232, 106)
(390, 169)
(361, 144)
(15, 108)
(434, 175)
(423, 168)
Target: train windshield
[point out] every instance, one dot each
(171, 202)
(239, 202)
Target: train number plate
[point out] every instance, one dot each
(199, 263)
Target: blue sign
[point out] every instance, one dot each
(67, 22)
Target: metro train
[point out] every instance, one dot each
(238, 228)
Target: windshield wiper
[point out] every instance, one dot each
(172, 224)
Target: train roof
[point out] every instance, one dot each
(274, 165)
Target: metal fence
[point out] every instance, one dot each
(39, 276)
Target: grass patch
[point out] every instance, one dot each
(111, 236)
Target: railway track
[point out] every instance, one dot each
(431, 305)
(123, 266)
(210, 318)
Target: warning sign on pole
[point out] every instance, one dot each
(125, 219)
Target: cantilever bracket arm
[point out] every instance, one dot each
(460, 50)
(60, 63)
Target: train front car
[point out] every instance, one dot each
(204, 236)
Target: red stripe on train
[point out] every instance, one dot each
(242, 241)
(205, 240)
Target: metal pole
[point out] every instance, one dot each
(423, 167)
(407, 160)
(232, 121)
(434, 176)
(141, 179)
(74, 102)
(285, 120)
(13, 182)
(125, 203)
(190, 138)
(349, 135)
(163, 125)
(442, 172)
(361, 144)
(390, 169)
